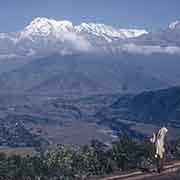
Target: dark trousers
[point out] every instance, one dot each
(160, 163)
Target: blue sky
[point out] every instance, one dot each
(149, 14)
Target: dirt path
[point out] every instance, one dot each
(169, 169)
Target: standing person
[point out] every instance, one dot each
(160, 144)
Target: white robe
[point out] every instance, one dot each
(159, 142)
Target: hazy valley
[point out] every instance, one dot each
(89, 90)
(67, 84)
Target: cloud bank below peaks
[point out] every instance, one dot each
(149, 49)
(46, 36)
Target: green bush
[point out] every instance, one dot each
(96, 159)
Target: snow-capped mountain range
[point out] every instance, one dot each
(46, 36)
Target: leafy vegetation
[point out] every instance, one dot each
(97, 159)
(14, 134)
(175, 149)
(78, 163)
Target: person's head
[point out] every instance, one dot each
(162, 132)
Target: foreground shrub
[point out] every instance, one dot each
(96, 159)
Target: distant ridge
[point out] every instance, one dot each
(44, 36)
(161, 107)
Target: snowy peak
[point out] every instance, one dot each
(133, 33)
(105, 30)
(44, 26)
(175, 25)
(45, 36)
(99, 30)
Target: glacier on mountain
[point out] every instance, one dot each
(47, 36)
(174, 25)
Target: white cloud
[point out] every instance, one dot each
(40, 39)
(76, 42)
(8, 56)
(149, 49)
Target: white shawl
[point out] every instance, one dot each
(159, 142)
